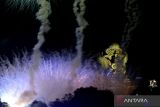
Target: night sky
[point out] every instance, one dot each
(106, 18)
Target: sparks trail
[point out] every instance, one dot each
(42, 15)
(53, 80)
(50, 78)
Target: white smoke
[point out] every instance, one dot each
(79, 8)
(30, 93)
(53, 80)
(47, 79)
(42, 15)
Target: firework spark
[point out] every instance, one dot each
(53, 80)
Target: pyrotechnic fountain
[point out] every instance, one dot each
(47, 79)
